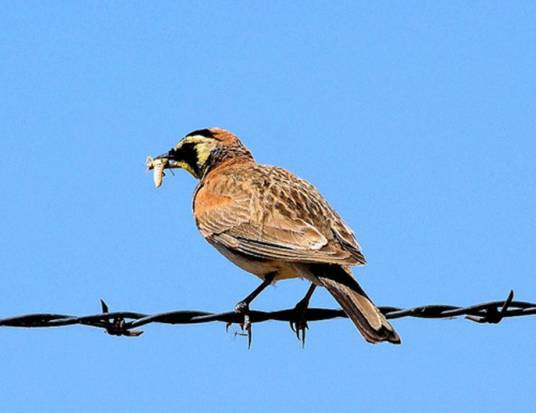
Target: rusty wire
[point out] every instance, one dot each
(124, 323)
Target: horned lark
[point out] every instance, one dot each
(272, 224)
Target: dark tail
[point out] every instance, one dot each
(368, 319)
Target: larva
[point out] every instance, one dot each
(158, 166)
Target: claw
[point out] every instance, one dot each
(242, 308)
(299, 324)
(299, 327)
(246, 326)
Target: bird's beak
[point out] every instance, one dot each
(169, 158)
(161, 162)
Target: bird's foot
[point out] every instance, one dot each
(242, 308)
(299, 323)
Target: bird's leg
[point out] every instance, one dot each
(243, 305)
(299, 324)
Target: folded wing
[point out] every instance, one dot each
(233, 220)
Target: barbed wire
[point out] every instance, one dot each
(125, 323)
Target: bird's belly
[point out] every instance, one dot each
(261, 267)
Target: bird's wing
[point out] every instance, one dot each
(247, 219)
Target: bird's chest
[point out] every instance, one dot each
(207, 201)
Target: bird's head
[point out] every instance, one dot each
(202, 150)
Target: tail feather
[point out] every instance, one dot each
(368, 319)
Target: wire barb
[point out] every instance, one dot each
(117, 325)
(124, 323)
(491, 314)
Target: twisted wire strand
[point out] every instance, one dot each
(124, 323)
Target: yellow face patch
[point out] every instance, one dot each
(201, 147)
(186, 166)
(203, 152)
(196, 139)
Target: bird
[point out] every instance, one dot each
(274, 225)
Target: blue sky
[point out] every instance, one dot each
(416, 120)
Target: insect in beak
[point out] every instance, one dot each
(157, 165)
(161, 162)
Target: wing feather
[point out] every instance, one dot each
(243, 216)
